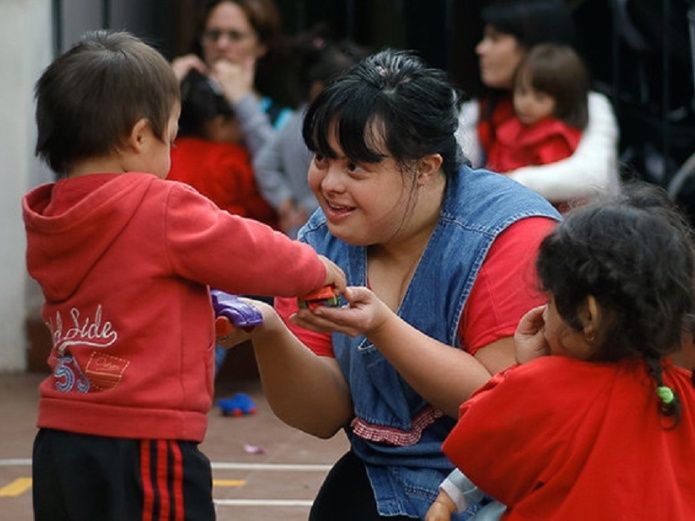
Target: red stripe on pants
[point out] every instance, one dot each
(147, 492)
(178, 481)
(162, 479)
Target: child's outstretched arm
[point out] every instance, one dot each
(529, 339)
(237, 255)
(441, 374)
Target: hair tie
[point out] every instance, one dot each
(665, 394)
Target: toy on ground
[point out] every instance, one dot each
(325, 296)
(239, 404)
(231, 312)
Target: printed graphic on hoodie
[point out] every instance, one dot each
(84, 331)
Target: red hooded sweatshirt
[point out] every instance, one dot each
(124, 262)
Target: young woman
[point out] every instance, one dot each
(512, 28)
(450, 250)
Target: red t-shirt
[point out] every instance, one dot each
(560, 439)
(505, 289)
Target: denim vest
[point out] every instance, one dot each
(395, 432)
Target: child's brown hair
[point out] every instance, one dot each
(558, 71)
(88, 99)
(634, 253)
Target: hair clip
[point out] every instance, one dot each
(665, 394)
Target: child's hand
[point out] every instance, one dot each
(364, 314)
(442, 508)
(529, 338)
(334, 275)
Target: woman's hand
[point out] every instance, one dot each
(529, 338)
(183, 65)
(235, 79)
(364, 314)
(442, 508)
(237, 336)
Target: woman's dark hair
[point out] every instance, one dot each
(391, 104)
(634, 254)
(557, 70)
(532, 21)
(88, 99)
(201, 101)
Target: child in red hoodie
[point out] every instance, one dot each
(125, 260)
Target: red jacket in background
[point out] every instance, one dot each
(518, 145)
(222, 172)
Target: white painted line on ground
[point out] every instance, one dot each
(15, 462)
(270, 466)
(263, 502)
(216, 465)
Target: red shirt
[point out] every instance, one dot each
(559, 439)
(505, 289)
(223, 173)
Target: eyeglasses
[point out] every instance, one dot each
(214, 35)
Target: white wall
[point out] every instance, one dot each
(25, 26)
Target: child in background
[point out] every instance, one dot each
(282, 164)
(124, 259)
(551, 88)
(208, 155)
(603, 428)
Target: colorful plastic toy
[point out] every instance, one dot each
(232, 312)
(325, 296)
(240, 404)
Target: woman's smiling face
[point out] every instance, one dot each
(364, 203)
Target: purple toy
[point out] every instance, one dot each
(233, 312)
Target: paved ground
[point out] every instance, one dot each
(277, 483)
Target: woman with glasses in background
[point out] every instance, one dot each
(233, 40)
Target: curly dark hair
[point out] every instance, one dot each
(634, 254)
